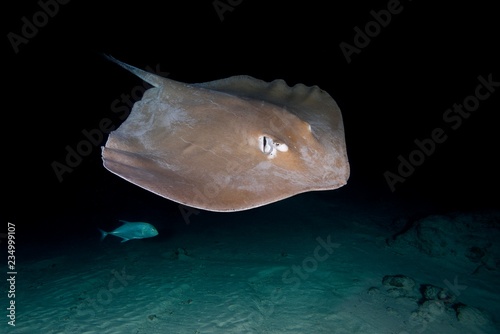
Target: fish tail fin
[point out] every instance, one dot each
(103, 234)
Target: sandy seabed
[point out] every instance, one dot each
(299, 266)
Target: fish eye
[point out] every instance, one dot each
(270, 147)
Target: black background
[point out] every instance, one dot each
(394, 91)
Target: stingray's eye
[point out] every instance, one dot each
(267, 145)
(270, 147)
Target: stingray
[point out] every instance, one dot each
(231, 144)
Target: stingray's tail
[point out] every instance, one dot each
(103, 234)
(150, 78)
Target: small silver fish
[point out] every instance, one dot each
(131, 230)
